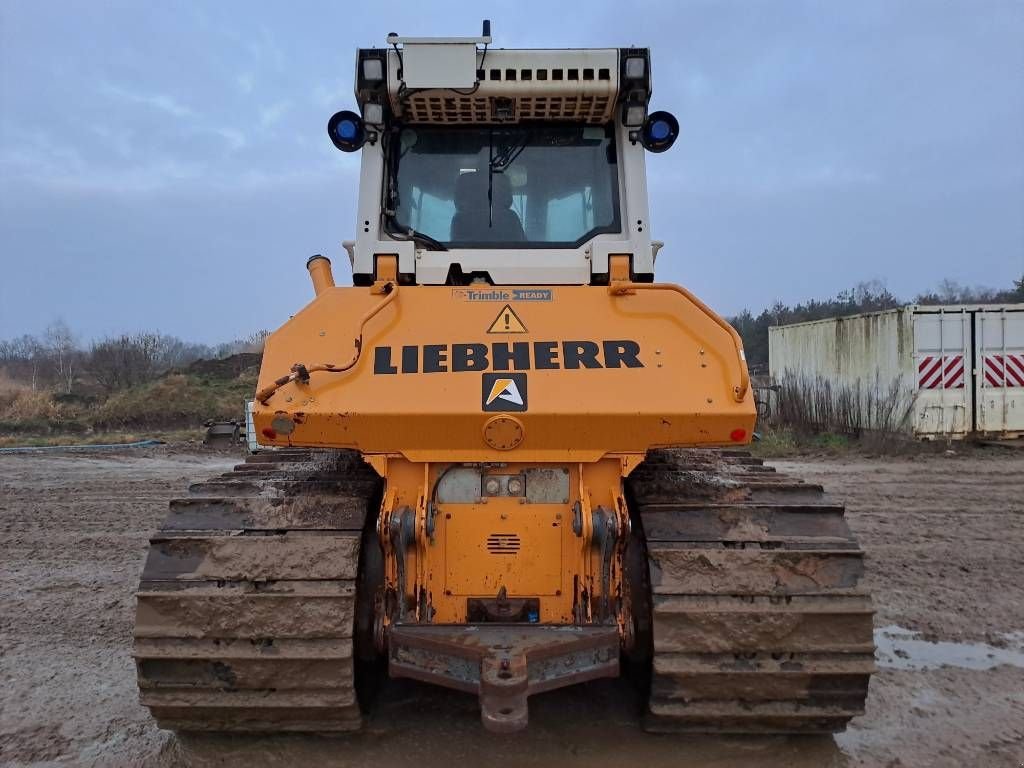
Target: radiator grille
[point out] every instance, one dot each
(512, 86)
(503, 543)
(444, 107)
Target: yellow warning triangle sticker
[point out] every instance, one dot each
(507, 321)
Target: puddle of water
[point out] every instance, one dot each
(899, 648)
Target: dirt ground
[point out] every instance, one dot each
(943, 536)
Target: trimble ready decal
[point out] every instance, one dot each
(507, 356)
(504, 392)
(489, 293)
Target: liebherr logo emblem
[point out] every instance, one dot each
(506, 389)
(505, 392)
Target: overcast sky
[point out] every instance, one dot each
(165, 165)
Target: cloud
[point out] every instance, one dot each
(157, 101)
(150, 177)
(38, 156)
(333, 95)
(235, 139)
(830, 175)
(118, 138)
(246, 81)
(697, 86)
(273, 113)
(819, 144)
(264, 49)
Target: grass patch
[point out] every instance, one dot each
(176, 404)
(813, 405)
(175, 436)
(175, 401)
(815, 416)
(780, 442)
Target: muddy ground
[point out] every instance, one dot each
(943, 535)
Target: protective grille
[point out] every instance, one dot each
(591, 109)
(503, 543)
(438, 107)
(446, 107)
(513, 85)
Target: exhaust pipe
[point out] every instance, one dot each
(320, 273)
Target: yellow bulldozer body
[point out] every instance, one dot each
(515, 383)
(485, 475)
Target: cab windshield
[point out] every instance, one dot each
(503, 186)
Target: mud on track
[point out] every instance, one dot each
(943, 537)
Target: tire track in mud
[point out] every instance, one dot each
(66, 612)
(942, 535)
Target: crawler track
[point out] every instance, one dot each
(759, 625)
(247, 603)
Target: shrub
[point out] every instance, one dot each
(175, 401)
(813, 405)
(28, 405)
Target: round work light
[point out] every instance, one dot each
(346, 131)
(659, 132)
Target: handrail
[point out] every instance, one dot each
(625, 287)
(301, 373)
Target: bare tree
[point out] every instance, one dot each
(253, 343)
(117, 362)
(123, 361)
(24, 358)
(951, 292)
(60, 343)
(172, 352)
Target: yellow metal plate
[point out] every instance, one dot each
(594, 374)
(503, 543)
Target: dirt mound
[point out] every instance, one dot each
(226, 367)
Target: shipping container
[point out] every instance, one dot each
(953, 370)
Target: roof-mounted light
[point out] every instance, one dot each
(635, 72)
(633, 114)
(659, 131)
(346, 131)
(634, 86)
(373, 70)
(371, 86)
(373, 113)
(635, 67)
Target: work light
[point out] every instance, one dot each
(659, 131)
(373, 70)
(346, 131)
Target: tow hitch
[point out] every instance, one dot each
(503, 663)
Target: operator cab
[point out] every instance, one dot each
(519, 186)
(501, 166)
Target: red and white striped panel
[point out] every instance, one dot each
(941, 372)
(1004, 370)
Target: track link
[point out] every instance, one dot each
(758, 621)
(246, 606)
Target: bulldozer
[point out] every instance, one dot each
(505, 460)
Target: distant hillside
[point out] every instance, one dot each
(177, 399)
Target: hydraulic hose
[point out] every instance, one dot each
(301, 372)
